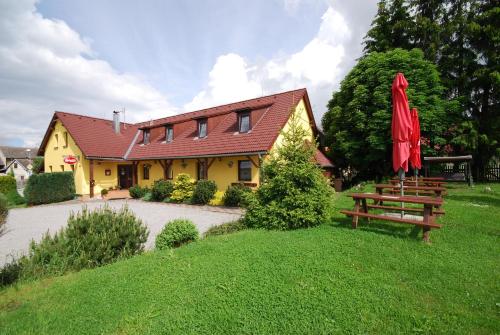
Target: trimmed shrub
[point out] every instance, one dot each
(148, 196)
(91, 239)
(7, 184)
(236, 196)
(204, 191)
(183, 188)
(47, 188)
(4, 210)
(14, 198)
(162, 189)
(176, 233)
(137, 192)
(104, 192)
(225, 228)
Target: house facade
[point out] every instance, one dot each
(17, 160)
(226, 144)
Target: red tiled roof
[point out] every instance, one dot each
(96, 138)
(322, 160)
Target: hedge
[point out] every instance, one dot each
(46, 188)
(7, 184)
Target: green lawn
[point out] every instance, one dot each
(331, 279)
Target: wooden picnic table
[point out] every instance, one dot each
(426, 190)
(412, 182)
(422, 178)
(361, 209)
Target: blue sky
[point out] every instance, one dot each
(158, 58)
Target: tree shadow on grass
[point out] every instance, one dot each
(490, 200)
(379, 227)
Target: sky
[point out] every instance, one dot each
(157, 58)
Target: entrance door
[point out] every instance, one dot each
(125, 176)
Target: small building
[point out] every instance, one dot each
(17, 160)
(225, 144)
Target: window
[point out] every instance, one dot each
(145, 136)
(62, 168)
(202, 170)
(169, 134)
(145, 171)
(244, 171)
(202, 128)
(50, 168)
(72, 167)
(65, 139)
(170, 172)
(22, 177)
(15, 165)
(244, 122)
(57, 141)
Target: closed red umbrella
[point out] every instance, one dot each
(401, 129)
(415, 161)
(401, 124)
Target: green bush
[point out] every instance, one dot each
(236, 196)
(137, 192)
(38, 165)
(204, 191)
(7, 184)
(183, 188)
(294, 193)
(162, 189)
(148, 196)
(176, 233)
(91, 239)
(4, 210)
(225, 228)
(104, 192)
(47, 188)
(10, 273)
(14, 198)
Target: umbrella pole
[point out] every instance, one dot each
(401, 175)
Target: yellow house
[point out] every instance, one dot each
(225, 144)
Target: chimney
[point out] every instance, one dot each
(116, 122)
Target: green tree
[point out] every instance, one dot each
(294, 193)
(357, 124)
(427, 30)
(38, 165)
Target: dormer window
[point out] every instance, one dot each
(145, 136)
(169, 134)
(202, 128)
(244, 122)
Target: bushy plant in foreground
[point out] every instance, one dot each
(91, 239)
(225, 228)
(47, 188)
(176, 233)
(137, 192)
(183, 188)
(162, 189)
(236, 196)
(7, 184)
(204, 192)
(4, 210)
(294, 193)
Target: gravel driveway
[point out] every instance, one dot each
(25, 224)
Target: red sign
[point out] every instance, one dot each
(70, 160)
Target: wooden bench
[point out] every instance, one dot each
(411, 182)
(409, 189)
(428, 221)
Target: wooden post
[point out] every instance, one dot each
(91, 177)
(355, 217)
(365, 208)
(426, 219)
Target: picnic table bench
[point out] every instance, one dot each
(423, 190)
(427, 222)
(412, 182)
(423, 178)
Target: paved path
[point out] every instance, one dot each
(25, 224)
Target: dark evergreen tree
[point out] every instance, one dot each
(427, 30)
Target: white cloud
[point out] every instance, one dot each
(316, 67)
(47, 66)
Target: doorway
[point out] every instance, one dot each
(125, 176)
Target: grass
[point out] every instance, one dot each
(379, 278)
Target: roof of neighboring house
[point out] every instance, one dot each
(18, 152)
(322, 160)
(97, 139)
(23, 162)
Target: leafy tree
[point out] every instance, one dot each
(38, 165)
(294, 193)
(427, 29)
(357, 124)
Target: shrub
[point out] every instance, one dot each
(236, 196)
(136, 192)
(148, 196)
(7, 184)
(176, 233)
(10, 272)
(91, 239)
(162, 189)
(183, 188)
(225, 228)
(47, 188)
(294, 193)
(38, 165)
(4, 210)
(14, 198)
(204, 192)
(104, 192)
